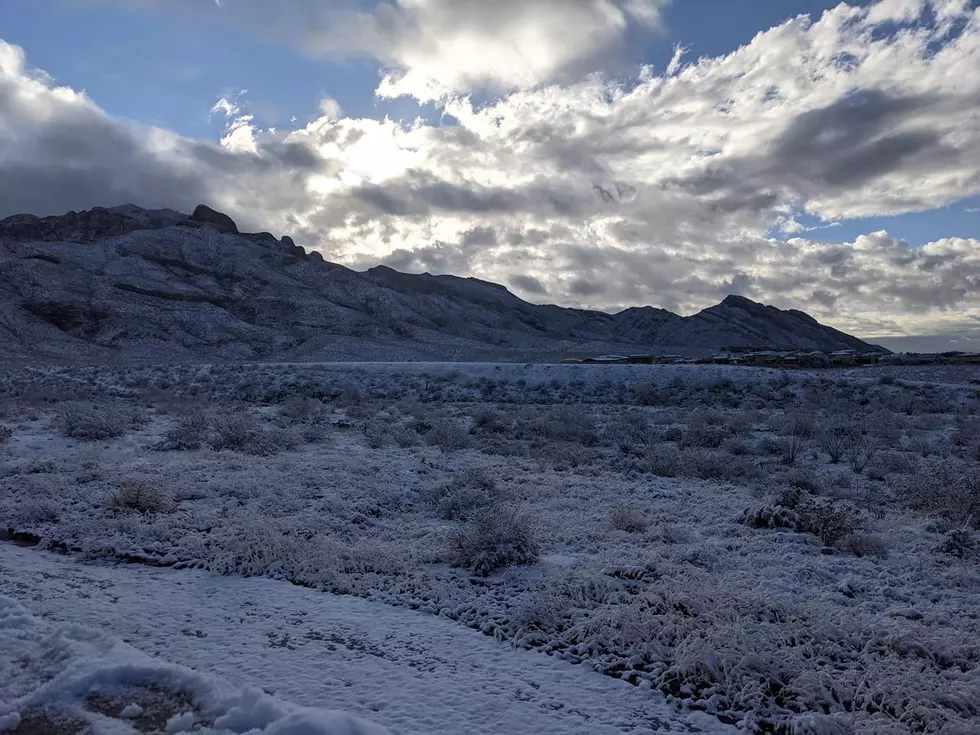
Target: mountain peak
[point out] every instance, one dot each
(740, 302)
(203, 214)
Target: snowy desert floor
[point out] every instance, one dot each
(412, 671)
(643, 548)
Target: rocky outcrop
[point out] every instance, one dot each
(204, 215)
(126, 283)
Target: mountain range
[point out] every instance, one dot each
(129, 284)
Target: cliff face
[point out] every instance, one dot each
(131, 284)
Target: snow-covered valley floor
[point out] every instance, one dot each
(413, 672)
(790, 552)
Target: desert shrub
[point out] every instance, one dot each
(908, 402)
(948, 489)
(661, 461)
(828, 521)
(466, 493)
(789, 447)
(797, 423)
(140, 496)
(740, 423)
(566, 423)
(860, 451)
(959, 542)
(772, 516)
(493, 538)
(5, 434)
(834, 437)
(377, 433)
(490, 420)
(37, 510)
(805, 483)
(448, 435)
(242, 433)
(791, 497)
(190, 432)
(738, 446)
(864, 544)
(92, 422)
(350, 395)
(301, 408)
(705, 430)
(650, 394)
(235, 432)
(707, 465)
(628, 518)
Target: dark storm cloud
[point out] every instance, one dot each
(419, 193)
(835, 148)
(584, 287)
(529, 284)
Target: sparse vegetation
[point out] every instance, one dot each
(141, 496)
(633, 497)
(92, 422)
(628, 518)
(494, 537)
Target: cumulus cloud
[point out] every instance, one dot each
(591, 193)
(432, 48)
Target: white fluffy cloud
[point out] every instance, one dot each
(588, 193)
(431, 48)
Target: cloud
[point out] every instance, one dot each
(657, 191)
(432, 48)
(528, 284)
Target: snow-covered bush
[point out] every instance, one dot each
(190, 432)
(628, 518)
(829, 521)
(141, 496)
(350, 395)
(242, 433)
(662, 461)
(565, 423)
(790, 447)
(488, 419)
(492, 538)
(301, 408)
(959, 542)
(947, 488)
(466, 493)
(864, 544)
(834, 439)
(448, 435)
(860, 451)
(37, 510)
(93, 422)
(704, 431)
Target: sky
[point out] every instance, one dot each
(589, 153)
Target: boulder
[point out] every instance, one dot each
(203, 214)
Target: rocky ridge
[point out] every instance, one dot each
(146, 285)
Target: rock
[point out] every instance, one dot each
(204, 215)
(85, 226)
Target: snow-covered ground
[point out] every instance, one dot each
(60, 678)
(415, 673)
(788, 551)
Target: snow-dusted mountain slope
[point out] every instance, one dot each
(128, 283)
